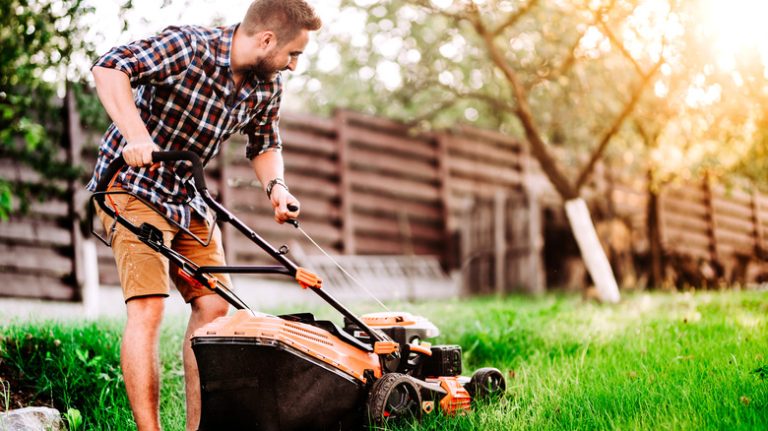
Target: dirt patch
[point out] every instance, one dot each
(14, 394)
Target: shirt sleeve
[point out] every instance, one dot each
(155, 61)
(263, 134)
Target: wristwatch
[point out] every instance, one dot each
(271, 185)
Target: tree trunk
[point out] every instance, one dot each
(589, 245)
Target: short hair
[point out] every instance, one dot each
(286, 18)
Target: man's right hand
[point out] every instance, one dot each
(137, 154)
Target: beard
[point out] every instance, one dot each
(266, 68)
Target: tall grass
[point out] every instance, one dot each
(75, 367)
(658, 361)
(688, 361)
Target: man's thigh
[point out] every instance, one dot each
(211, 255)
(142, 271)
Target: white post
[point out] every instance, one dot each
(90, 279)
(591, 250)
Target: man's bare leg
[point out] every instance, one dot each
(204, 310)
(140, 360)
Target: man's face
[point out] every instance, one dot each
(281, 57)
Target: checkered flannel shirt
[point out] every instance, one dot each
(186, 97)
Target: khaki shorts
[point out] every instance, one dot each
(145, 272)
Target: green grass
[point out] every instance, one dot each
(655, 361)
(76, 366)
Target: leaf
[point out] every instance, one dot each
(6, 200)
(74, 419)
(82, 355)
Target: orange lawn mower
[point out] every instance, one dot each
(292, 372)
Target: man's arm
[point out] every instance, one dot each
(114, 90)
(268, 166)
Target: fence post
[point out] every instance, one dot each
(655, 226)
(535, 268)
(466, 244)
(84, 263)
(345, 188)
(450, 225)
(711, 225)
(758, 232)
(500, 239)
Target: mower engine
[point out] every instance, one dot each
(410, 331)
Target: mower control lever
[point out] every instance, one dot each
(293, 221)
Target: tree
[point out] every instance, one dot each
(40, 42)
(565, 75)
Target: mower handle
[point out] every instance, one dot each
(157, 156)
(170, 156)
(197, 172)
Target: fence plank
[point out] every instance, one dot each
(394, 187)
(27, 259)
(362, 159)
(36, 286)
(388, 206)
(390, 227)
(375, 245)
(34, 233)
(404, 146)
(480, 151)
(305, 142)
(732, 208)
(487, 173)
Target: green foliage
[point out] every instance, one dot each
(70, 367)
(38, 41)
(74, 419)
(6, 200)
(76, 368)
(424, 62)
(92, 113)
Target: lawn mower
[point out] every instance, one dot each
(293, 372)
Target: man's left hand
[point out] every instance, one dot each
(281, 198)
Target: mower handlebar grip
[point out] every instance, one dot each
(157, 156)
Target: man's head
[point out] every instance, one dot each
(279, 29)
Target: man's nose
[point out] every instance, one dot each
(291, 65)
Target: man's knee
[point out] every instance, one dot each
(146, 310)
(209, 307)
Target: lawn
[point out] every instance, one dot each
(655, 361)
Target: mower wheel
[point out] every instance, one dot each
(486, 383)
(393, 398)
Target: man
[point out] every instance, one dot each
(195, 87)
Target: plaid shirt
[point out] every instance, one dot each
(186, 97)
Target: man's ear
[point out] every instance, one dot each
(267, 39)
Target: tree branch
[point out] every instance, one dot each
(425, 4)
(523, 113)
(628, 109)
(615, 41)
(513, 18)
(432, 112)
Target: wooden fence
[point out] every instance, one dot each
(370, 186)
(38, 251)
(720, 231)
(502, 245)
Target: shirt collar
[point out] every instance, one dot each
(224, 50)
